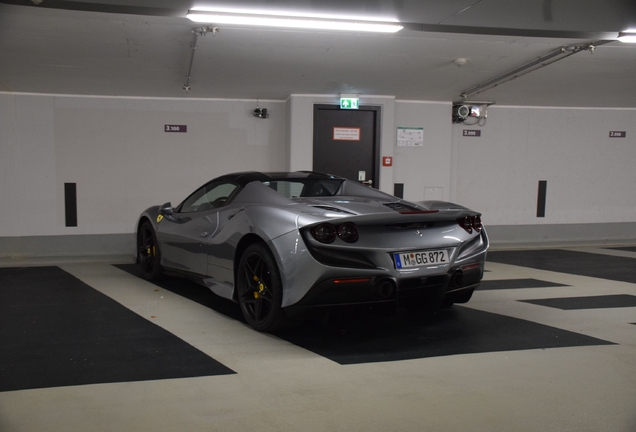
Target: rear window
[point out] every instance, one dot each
(299, 188)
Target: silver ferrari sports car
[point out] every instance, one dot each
(285, 245)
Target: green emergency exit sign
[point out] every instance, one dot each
(349, 103)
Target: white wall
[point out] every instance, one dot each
(117, 152)
(28, 180)
(122, 160)
(425, 171)
(590, 176)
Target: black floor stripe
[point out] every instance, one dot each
(192, 291)
(579, 263)
(592, 302)
(460, 330)
(356, 336)
(626, 249)
(57, 331)
(503, 284)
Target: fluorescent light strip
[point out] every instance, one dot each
(627, 37)
(292, 22)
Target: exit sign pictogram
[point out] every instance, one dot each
(349, 103)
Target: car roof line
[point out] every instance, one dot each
(245, 177)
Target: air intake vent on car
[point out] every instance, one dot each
(333, 209)
(407, 209)
(399, 207)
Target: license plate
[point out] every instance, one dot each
(420, 258)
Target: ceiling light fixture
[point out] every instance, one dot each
(304, 22)
(627, 36)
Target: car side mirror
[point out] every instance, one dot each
(166, 209)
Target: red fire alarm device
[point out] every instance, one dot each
(387, 160)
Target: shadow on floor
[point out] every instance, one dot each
(359, 336)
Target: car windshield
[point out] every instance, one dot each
(305, 187)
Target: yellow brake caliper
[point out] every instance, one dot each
(261, 287)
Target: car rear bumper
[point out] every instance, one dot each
(308, 281)
(385, 290)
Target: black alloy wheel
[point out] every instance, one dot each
(148, 253)
(260, 290)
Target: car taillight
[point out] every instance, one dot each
(326, 233)
(348, 232)
(477, 223)
(470, 222)
(466, 223)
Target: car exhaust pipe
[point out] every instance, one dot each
(457, 279)
(384, 288)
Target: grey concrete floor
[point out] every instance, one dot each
(279, 386)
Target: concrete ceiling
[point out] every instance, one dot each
(142, 48)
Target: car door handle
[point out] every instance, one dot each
(203, 234)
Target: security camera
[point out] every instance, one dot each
(261, 113)
(460, 112)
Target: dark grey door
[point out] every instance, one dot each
(346, 142)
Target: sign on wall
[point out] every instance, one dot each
(410, 137)
(349, 103)
(346, 134)
(175, 128)
(471, 133)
